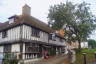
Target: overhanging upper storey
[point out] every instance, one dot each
(26, 27)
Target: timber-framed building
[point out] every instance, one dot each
(28, 35)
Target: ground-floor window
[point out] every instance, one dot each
(31, 47)
(31, 50)
(31, 55)
(7, 48)
(34, 50)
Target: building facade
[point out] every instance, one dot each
(29, 36)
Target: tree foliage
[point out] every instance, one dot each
(76, 20)
(91, 43)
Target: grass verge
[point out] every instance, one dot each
(89, 56)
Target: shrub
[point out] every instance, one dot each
(10, 59)
(52, 52)
(78, 50)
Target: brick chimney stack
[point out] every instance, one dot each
(26, 10)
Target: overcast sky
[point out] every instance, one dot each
(39, 8)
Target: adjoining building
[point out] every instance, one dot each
(29, 36)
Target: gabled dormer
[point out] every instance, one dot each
(12, 19)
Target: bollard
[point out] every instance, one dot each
(95, 55)
(84, 56)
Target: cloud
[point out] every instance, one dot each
(1, 2)
(39, 8)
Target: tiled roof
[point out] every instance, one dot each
(0, 24)
(37, 23)
(29, 20)
(3, 24)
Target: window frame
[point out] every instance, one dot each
(35, 32)
(4, 34)
(7, 48)
(52, 36)
(60, 39)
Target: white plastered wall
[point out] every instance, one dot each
(15, 48)
(1, 51)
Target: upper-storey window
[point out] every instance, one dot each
(52, 36)
(35, 32)
(61, 40)
(4, 34)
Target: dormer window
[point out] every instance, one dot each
(12, 19)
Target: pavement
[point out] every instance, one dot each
(61, 59)
(0, 61)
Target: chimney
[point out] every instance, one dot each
(26, 10)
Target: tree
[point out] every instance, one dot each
(76, 20)
(91, 43)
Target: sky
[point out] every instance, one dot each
(39, 8)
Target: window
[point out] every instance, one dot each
(61, 40)
(31, 47)
(11, 20)
(35, 32)
(7, 48)
(52, 36)
(4, 34)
